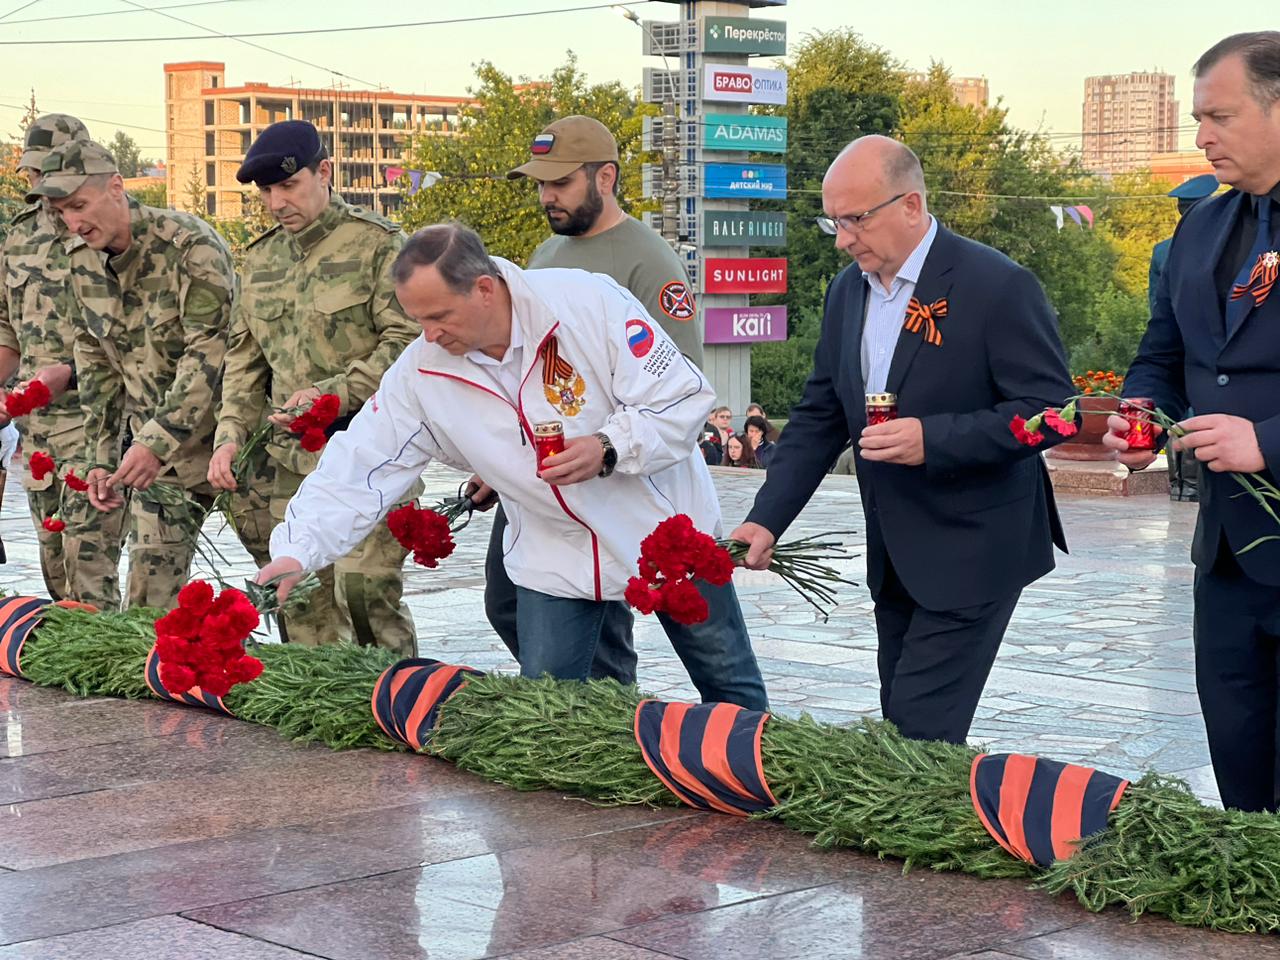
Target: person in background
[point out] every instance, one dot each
(1184, 469)
(722, 419)
(756, 429)
(738, 453)
(710, 445)
(771, 432)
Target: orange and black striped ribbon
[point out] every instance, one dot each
(1261, 280)
(554, 367)
(18, 617)
(1039, 809)
(408, 695)
(195, 697)
(707, 754)
(926, 316)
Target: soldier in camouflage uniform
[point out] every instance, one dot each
(153, 293)
(317, 314)
(36, 334)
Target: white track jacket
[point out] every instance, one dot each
(581, 540)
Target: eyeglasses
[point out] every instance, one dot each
(852, 221)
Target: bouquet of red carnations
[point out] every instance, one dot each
(201, 643)
(677, 553)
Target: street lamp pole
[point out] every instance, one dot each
(670, 138)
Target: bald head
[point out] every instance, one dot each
(874, 193)
(886, 162)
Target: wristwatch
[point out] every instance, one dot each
(610, 454)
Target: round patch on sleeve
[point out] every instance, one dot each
(676, 301)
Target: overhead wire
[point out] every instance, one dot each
(114, 13)
(249, 43)
(355, 28)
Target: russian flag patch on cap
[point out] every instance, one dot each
(542, 144)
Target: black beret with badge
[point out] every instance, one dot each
(280, 151)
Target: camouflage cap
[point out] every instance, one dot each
(65, 169)
(51, 130)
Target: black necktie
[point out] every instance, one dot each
(1241, 299)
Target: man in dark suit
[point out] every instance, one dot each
(1213, 344)
(960, 515)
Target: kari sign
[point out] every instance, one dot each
(738, 228)
(726, 131)
(764, 181)
(745, 324)
(744, 84)
(745, 275)
(743, 35)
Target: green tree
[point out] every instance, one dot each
(128, 156)
(494, 136)
(153, 196)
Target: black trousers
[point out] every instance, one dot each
(934, 663)
(615, 653)
(1237, 644)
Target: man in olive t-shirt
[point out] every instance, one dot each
(575, 164)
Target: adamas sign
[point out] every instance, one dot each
(745, 324)
(744, 84)
(730, 131)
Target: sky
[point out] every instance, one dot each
(1034, 54)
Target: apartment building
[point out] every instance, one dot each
(968, 91)
(1128, 118)
(209, 126)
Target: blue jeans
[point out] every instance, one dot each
(559, 637)
(615, 652)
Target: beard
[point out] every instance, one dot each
(582, 219)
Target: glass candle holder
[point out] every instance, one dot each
(1138, 411)
(881, 408)
(548, 439)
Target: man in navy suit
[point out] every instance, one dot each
(1213, 344)
(960, 515)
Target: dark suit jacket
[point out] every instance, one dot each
(976, 522)
(1188, 359)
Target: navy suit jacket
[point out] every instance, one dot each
(976, 522)
(1188, 359)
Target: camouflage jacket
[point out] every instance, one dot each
(35, 322)
(151, 332)
(316, 309)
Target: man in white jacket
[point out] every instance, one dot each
(503, 349)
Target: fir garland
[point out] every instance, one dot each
(864, 786)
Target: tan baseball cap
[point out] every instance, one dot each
(65, 169)
(45, 133)
(565, 145)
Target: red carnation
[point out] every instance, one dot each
(325, 409)
(38, 394)
(177, 678)
(40, 465)
(682, 602)
(74, 482)
(244, 669)
(196, 596)
(641, 596)
(1031, 438)
(54, 525)
(1064, 427)
(425, 533)
(21, 402)
(313, 440)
